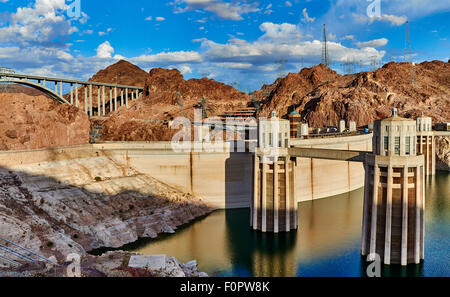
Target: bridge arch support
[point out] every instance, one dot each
(37, 86)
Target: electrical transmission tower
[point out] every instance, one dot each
(325, 57)
(373, 62)
(407, 45)
(281, 67)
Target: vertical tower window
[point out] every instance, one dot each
(408, 145)
(280, 140)
(270, 139)
(397, 146)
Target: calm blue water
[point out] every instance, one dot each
(326, 244)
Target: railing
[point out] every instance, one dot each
(19, 252)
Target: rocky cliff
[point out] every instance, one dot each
(30, 120)
(442, 153)
(121, 73)
(168, 95)
(77, 205)
(323, 97)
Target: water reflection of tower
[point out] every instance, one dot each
(259, 254)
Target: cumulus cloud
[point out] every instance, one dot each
(40, 24)
(373, 43)
(170, 57)
(390, 18)
(280, 41)
(306, 18)
(105, 50)
(225, 10)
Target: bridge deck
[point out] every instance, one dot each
(328, 154)
(70, 81)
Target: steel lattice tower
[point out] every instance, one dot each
(325, 57)
(407, 45)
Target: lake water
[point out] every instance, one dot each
(327, 242)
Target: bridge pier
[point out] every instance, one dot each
(85, 99)
(91, 113)
(71, 94)
(99, 107)
(76, 95)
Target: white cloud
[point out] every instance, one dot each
(306, 18)
(160, 19)
(149, 18)
(105, 50)
(170, 57)
(373, 43)
(280, 41)
(225, 10)
(288, 4)
(184, 69)
(393, 19)
(43, 23)
(348, 37)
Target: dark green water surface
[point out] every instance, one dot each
(327, 242)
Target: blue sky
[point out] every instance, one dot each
(244, 42)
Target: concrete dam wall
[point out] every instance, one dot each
(223, 179)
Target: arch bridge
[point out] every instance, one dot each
(119, 95)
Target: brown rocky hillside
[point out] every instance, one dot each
(168, 95)
(122, 73)
(323, 97)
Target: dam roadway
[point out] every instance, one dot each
(223, 179)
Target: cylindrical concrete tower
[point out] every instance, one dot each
(425, 143)
(294, 120)
(394, 197)
(274, 208)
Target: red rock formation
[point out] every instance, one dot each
(30, 122)
(122, 73)
(323, 97)
(166, 96)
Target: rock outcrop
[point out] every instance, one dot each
(78, 205)
(442, 153)
(323, 97)
(110, 264)
(30, 120)
(120, 73)
(167, 96)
